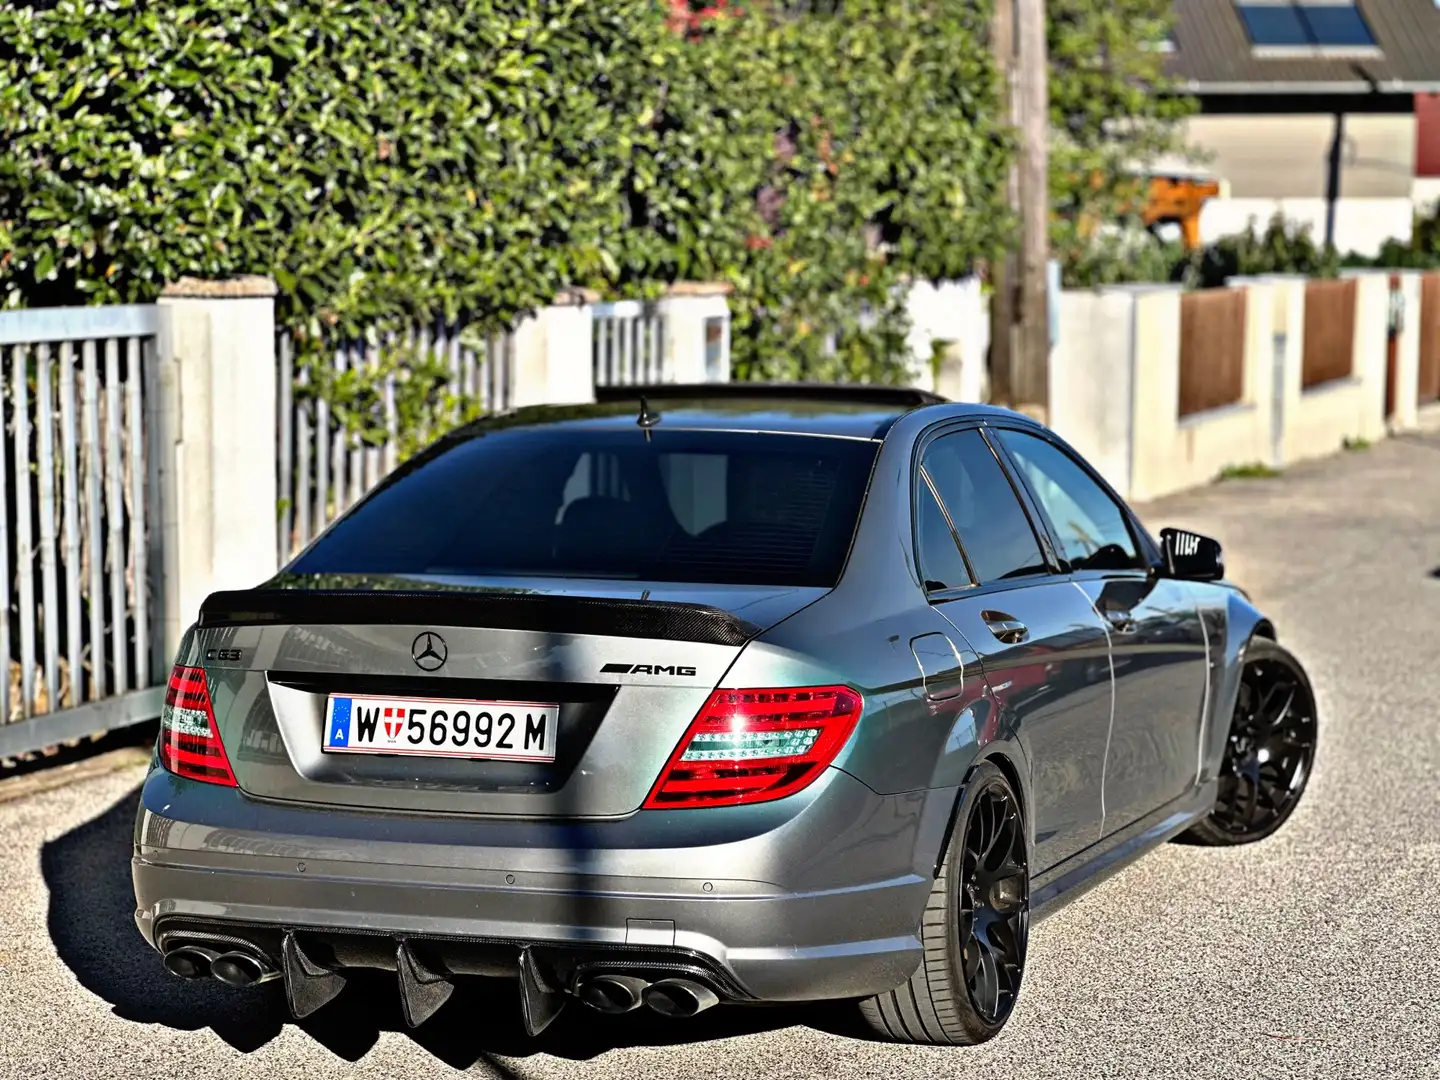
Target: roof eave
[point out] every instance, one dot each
(1279, 86)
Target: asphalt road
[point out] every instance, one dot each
(1314, 953)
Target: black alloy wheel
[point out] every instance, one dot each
(994, 904)
(1270, 752)
(974, 929)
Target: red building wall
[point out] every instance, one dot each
(1427, 135)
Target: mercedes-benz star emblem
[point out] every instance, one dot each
(429, 652)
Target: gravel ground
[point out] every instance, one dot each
(1314, 953)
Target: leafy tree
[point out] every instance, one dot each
(1113, 113)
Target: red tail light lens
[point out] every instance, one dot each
(750, 746)
(189, 741)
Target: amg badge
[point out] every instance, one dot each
(646, 669)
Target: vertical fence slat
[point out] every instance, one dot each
(358, 479)
(115, 517)
(285, 395)
(338, 457)
(138, 561)
(158, 670)
(322, 463)
(69, 470)
(471, 372)
(45, 477)
(304, 438)
(7, 715)
(24, 549)
(95, 553)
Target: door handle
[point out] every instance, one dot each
(1121, 623)
(1006, 628)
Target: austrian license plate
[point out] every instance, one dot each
(441, 727)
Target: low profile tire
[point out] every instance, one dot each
(1269, 754)
(974, 930)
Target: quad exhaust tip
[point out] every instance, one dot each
(190, 962)
(617, 994)
(233, 967)
(612, 994)
(237, 968)
(679, 997)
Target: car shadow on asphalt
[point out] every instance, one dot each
(91, 923)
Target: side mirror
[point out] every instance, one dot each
(1190, 556)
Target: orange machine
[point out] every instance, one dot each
(1179, 200)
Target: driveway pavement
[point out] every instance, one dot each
(1313, 954)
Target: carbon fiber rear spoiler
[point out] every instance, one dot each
(658, 619)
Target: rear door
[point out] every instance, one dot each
(1157, 637)
(1043, 646)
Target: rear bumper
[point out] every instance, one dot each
(814, 897)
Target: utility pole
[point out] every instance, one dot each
(1004, 271)
(1030, 370)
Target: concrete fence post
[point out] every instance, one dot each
(554, 353)
(216, 441)
(1406, 328)
(697, 332)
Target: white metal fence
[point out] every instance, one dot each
(325, 466)
(629, 343)
(79, 539)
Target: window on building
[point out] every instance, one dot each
(1306, 25)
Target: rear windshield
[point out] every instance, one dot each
(686, 506)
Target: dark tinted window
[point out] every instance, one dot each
(1090, 526)
(686, 506)
(941, 564)
(982, 504)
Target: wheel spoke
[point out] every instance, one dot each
(986, 987)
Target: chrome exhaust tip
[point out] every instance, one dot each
(238, 968)
(612, 994)
(679, 997)
(190, 962)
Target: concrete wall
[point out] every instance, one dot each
(1172, 453)
(1092, 380)
(1319, 420)
(1115, 385)
(957, 314)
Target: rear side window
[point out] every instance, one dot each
(685, 506)
(984, 507)
(941, 563)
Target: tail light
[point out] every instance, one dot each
(189, 741)
(750, 746)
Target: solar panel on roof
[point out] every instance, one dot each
(1338, 25)
(1305, 25)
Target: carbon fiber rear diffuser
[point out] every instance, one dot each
(308, 986)
(540, 1003)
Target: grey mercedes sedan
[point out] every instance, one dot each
(708, 695)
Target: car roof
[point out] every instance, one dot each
(838, 412)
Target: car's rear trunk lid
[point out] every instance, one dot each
(628, 673)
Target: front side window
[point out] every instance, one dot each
(987, 514)
(1090, 526)
(684, 506)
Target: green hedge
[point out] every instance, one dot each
(387, 161)
(379, 159)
